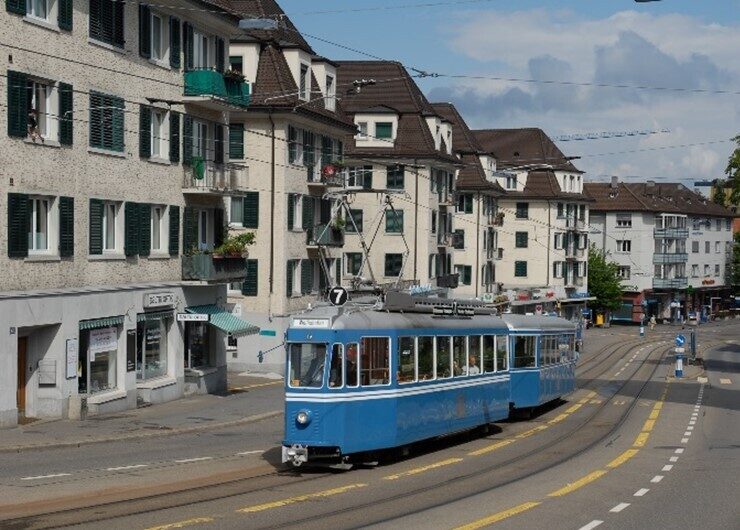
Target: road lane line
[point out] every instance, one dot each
(687, 433)
(558, 419)
(530, 432)
(123, 468)
(260, 385)
(656, 479)
(641, 492)
(493, 447)
(299, 498)
(590, 526)
(648, 425)
(573, 486)
(621, 459)
(679, 451)
(641, 439)
(257, 452)
(183, 524)
(418, 470)
(667, 467)
(500, 516)
(199, 459)
(41, 477)
(684, 440)
(724, 381)
(673, 459)
(690, 428)
(619, 507)
(571, 410)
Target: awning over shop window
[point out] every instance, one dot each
(154, 315)
(225, 321)
(101, 322)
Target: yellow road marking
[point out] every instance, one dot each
(591, 394)
(490, 448)
(654, 414)
(648, 425)
(183, 524)
(260, 385)
(423, 469)
(578, 483)
(641, 439)
(659, 404)
(571, 410)
(530, 432)
(621, 459)
(300, 498)
(558, 418)
(500, 516)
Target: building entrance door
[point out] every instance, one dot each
(22, 376)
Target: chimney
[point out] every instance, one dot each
(650, 188)
(615, 182)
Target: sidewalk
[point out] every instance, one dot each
(250, 399)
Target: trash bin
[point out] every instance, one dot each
(599, 320)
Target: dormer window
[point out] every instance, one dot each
(331, 92)
(362, 129)
(510, 182)
(305, 83)
(384, 130)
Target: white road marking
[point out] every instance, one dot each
(641, 492)
(673, 459)
(684, 440)
(687, 433)
(667, 467)
(725, 381)
(679, 451)
(122, 468)
(619, 507)
(692, 422)
(251, 452)
(187, 460)
(694, 414)
(690, 428)
(41, 477)
(591, 525)
(656, 479)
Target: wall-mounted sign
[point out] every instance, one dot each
(154, 300)
(72, 356)
(102, 340)
(192, 317)
(131, 350)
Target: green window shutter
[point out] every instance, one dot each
(251, 210)
(218, 227)
(307, 214)
(291, 211)
(189, 230)
(117, 143)
(145, 229)
(96, 119)
(145, 31)
(218, 144)
(322, 278)
(66, 226)
(187, 32)
(292, 144)
(306, 276)
(96, 227)
(174, 230)
(187, 140)
(16, 6)
(174, 137)
(66, 113)
(289, 279)
(118, 10)
(520, 269)
(236, 141)
(145, 131)
(175, 42)
(522, 240)
(17, 102)
(250, 283)
(64, 17)
(131, 222)
(220, 54)
(18, 221)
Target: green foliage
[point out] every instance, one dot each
(719, 196)
(735, 272)
(236, 245)
(733, 173)
(603, 281)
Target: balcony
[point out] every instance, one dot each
(670, 283)
(213, 90)
(573, 253)
(207, 177)
(670, 257)
(447, 197)
(207, 268)
(324, 235)
(571, 282)
(448, 281)
(495, 253)
(444, 239)
(671, 233)
(316, 177)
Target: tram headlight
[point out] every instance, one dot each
(303, 417)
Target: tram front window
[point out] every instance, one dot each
(307, 365)
(524, 352)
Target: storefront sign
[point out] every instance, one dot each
(192, 317)
(102, 340)
(73, 354)
(154, 300)
(311, 323)
(131, 350)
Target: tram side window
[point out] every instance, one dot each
(406, 360)
(563, 348)
(524, 352)
(474, 358)
(502, 352)
(544, 350)
(444, 364)
(489, 353)
(307, 365)
(459, 356)
(425, 354)
(375, 361)
(336, 368)
(352, 367)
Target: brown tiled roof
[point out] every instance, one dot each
(651, 197)
(521, 147)
(463, 139)
(286, 34)
(543, 184)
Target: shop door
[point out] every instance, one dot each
(22, 376)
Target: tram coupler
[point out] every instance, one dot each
(296, 454)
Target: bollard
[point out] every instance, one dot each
(679, 366)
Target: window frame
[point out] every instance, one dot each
(33, 203)
(394, 221)
(415, 361)
(518, 241)
(384, 126)
(386, 262)
(522, 210)
(389, 357)
(158, 228)
(517, 264)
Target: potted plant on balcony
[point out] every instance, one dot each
(234, 75)
(235, 246)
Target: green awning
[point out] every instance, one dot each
(224, 320)
(101, 322)
(154, 315)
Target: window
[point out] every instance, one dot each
(295, 146)
(159, 135)
(375, 361)
(624, 220)
(465, 203)
(718, 224)
(444, 360)
(474, 357)
(425, 357)
(557, 269)
(157, 228)
(200, 139)
(706, 270)
(42, 119)
(37, 9)
(459, 356)
(38, 226)
(384, 130)
(624, 245)
(204, 241)
(236, 63)
(362, 129)
(728, 224)
(582, 213)
(695, 271)
(201, 59)
(236, 211)
(458, 239)
(106, 21)
(624, 272)
(151, 346)
(561, 210)
(489, 354)
(360, 177)
(292, 278)
(197, 345)
(522, 210)
(707, 247)
(406, 360)
(465, 272)
(502, 352)
(510, 182)
(524, 349)
(106, 122)
(395, 177)
(110, 213)
(331, 92)
(158, 48)
(716, 270)
(236, 141)
(717, 247)
(394, 222)
(696, 223)
(357, 217)
(393, 264)
(353, 262)
(434, 222)
(522, 240)
(306, 365)
(520, 269)
(98, 348)
(694, 247)
(305, 83)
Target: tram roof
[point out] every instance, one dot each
(535, 322)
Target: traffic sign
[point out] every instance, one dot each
(338, 296)
(680, 340)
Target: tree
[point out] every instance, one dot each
(735, 266)
(733, 173)
(719, 196)
(603, 281)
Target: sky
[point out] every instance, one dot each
(691, 45)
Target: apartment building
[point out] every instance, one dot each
(544, 230)
(402, 149)
(476, 238)
(114, 166)
(673, 246)
(293, 129)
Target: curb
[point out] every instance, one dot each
(140, 435)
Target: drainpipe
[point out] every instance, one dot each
(272, 206)
(416, 221)
(477, 245)
(549, 226)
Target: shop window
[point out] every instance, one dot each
(375, 361)
(197, 345)
(151, 347)
(97, 368)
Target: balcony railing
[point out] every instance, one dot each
(495, 253)
(671, 233)
(447, 197)
(449, 281)
(207, 268)
(444, 239)
(206, 176)
(325, 235)
(213, 84)
(670, 283)
(670, 257)
(574, 281)
(314, 176)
